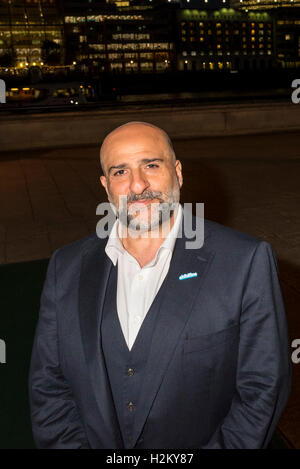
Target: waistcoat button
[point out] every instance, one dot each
(130, 406)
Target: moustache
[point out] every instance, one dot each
(145, 196)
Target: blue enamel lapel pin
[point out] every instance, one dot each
(189, 275)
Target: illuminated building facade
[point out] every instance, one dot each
(264, 5)
(204, 4)
(120, 37)
(288, 39)
(286, 14)
(31, 33)
(126, 36)
(224, 39)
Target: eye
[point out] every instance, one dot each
(120, 172)
(152, 165)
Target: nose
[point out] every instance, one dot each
(138, 182)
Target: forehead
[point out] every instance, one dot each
(133, 143)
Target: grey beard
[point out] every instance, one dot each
(163, 213)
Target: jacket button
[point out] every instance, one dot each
(130, 406)
(130, 372)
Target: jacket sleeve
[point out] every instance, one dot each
(55, 419)
(263, 379)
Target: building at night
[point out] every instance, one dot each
(148, 36)
(224, 39)
(31, 33)
(120, 36)
(288, 38)
(264, 5)
(286, 16)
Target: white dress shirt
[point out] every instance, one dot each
(137, 286)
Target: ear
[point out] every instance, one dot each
(104, 183)
(178, 169)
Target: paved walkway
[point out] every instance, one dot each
(252, 183)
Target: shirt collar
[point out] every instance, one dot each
(114, 247)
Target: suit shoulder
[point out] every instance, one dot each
(221, 235)
(235, 247)
(74, 250)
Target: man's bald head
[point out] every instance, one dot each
(136, 128)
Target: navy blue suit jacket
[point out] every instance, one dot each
(218, 373)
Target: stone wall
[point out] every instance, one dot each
(89, 127)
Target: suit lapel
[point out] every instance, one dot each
(175, 310)
(94, 276)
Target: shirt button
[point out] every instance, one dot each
(130, 372)
(138, 318)
(130, 406)
(140, 277)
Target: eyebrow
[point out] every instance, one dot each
(143, 161)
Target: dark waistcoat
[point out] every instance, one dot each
(126, 369)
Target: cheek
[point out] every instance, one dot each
(117, 189)
(171, 183)
(162, 181)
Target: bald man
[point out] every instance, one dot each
(145, 343)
